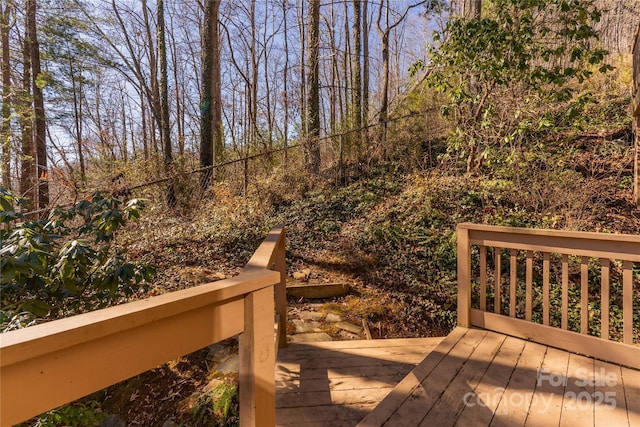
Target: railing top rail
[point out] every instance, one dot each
(613, 246)
(63, 333)
(581, 235)
(263, 256)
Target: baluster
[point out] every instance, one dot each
(513, 286)
(565, 291)
(605, 298)
(545, 289)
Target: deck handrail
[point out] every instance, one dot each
(541, 246)
(48, 365)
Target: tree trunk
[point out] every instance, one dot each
(365, 63)
(473, 9)
(285, 131)
(165, 127)
(5, 130)
(356, 92)
(42, 173)
(28, 156)
(211, 143)
(313, 103)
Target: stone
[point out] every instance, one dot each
(113, 420)
(211, 385)
(304, 326)
(333, 318)
(218, 352)
(310, 315)
(230, 366)
(169, 423)
(349, 327)
(311, 337)
(349, 336)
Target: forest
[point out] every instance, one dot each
(149, 145)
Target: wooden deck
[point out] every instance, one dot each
(338, 383)
(482, 378)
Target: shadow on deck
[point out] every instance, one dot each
(338, 383)
(472, 377)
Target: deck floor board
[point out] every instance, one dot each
(471, 377)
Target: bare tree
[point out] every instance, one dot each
(313, 84)
(356, 90)
(211, 138)
(5, 130)
(38, 108)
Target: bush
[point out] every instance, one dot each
(66, 263)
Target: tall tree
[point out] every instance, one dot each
(211, 138)
(5, 129)
(165, 128)
(42, 172)
(313, 84)
(28, 172)
(384, 31)
(356, 90)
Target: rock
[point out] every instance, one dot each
(113, 420)
(219, 275)
(169, 423)
(304, 326)
(311, 337)
(349, 327)
(230, 366)
(211, 385)
(310, 315)
(349, 336)
(302, 275)
(333, 318)
(218, 352)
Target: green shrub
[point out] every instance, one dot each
(67, 262)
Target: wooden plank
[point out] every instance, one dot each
(328, 414)
(578, 409)
(565, 292)
(546, 403)
(528, 286)
(342, 383)
(46, 381)
(627, 311)
(605, 298)
(498, 281)
(517, 397)
(291, 372)
(513, 283)
(422, 398)
(361, 344)
(483, 278)
(610, 351)
(451, 403)
(361, 358)
(631, 384)
(480, 407)
(584, 295)
(257, 360)
(401, 392)
(334, 397)
(594, 245)
(464, 278)
(545, 288)
(298, 354)
(280, 289)
(609, 396)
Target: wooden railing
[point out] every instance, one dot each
(538, 298)
(48, 365)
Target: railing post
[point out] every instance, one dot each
(257, 361)
(464, 278)
(281, 290)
